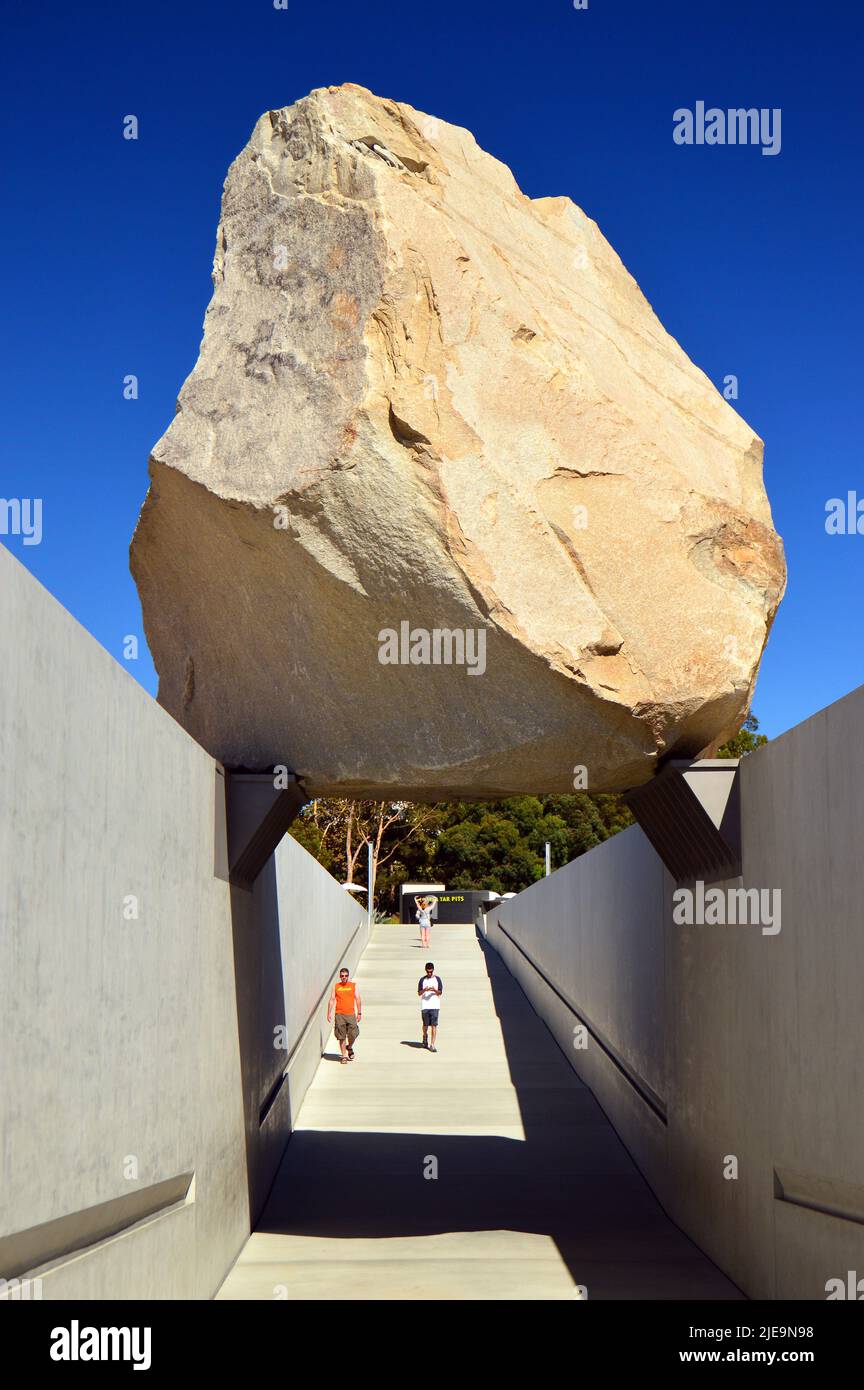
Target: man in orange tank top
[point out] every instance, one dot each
(345, 999)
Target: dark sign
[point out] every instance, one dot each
(444, 907)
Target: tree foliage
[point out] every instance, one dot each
(744, 741)
(498, 845)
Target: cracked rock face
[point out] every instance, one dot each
(444, 511)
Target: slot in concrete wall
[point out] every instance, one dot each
(137, 1044)
(711, 1042)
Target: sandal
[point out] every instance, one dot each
(343, 1061)
(350, 1054)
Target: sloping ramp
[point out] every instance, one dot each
(535, 1196)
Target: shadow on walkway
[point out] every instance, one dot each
(570, 1179)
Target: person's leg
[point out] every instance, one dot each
(353, 1030)
(340, 1031)
(433, 1030)
(425, 1028)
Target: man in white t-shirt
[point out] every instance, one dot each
(430, 988)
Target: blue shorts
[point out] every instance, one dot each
(430, 1018)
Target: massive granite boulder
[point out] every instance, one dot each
(443, 511)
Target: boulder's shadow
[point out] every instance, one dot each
(570, 1178)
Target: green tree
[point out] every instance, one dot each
(499, 845)
(744, 741)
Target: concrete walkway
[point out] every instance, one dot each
(534, 1196)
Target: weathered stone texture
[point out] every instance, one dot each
(424, 396)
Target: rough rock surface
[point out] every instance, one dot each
(423, 397)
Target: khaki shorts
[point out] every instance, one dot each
(346, 1028)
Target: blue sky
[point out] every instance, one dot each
(752, 262)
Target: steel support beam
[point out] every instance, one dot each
(256, 811)
(691, 813)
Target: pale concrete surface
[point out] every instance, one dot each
(535, 1195)
(751, 1040)
(139, 993)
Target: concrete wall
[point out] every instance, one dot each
(712, 1042)
(140, 1099)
